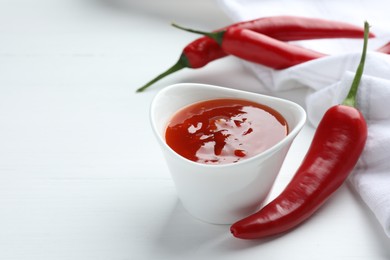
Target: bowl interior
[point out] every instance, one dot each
(169, 100)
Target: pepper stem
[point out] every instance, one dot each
(350, 100)
(217, 36)
(180, 64)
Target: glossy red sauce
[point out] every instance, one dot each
(224, 130)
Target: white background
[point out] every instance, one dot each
(81, 174)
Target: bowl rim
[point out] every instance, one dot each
(268, 152)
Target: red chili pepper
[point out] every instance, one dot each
(292, 28)
(259, 48)
(200, 52)
(284, 28)
(336, 147)
(262, 49)
(204, 50)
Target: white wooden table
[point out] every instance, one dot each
(81, 174)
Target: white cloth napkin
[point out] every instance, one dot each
(328, 80)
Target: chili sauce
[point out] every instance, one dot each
(221, 131)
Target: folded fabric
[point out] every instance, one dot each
(328, 80)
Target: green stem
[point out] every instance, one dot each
(180, 64)
(350, 100)
(217, 36)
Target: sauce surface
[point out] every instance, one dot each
(224, 131)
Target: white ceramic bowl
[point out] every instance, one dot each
(222, 194)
